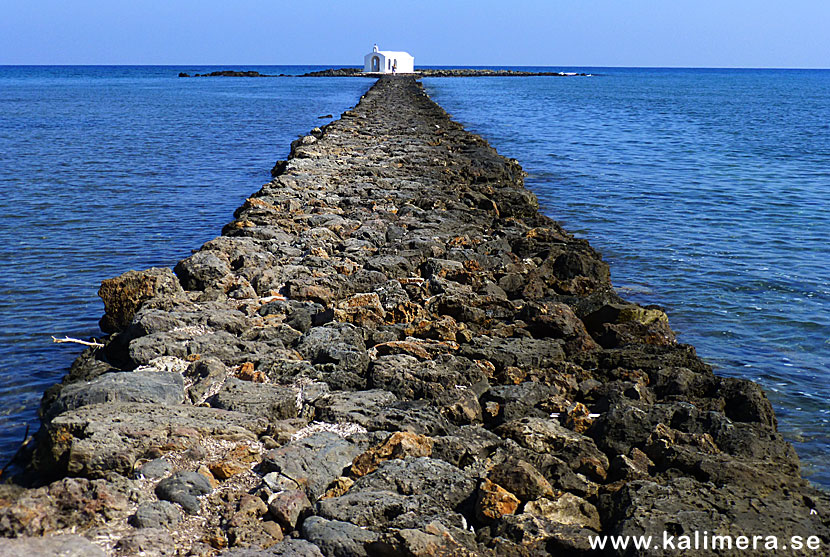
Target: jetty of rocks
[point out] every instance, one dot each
(391, 352)
(452, 72)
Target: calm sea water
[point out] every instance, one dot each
(708, 191)
(106, 169)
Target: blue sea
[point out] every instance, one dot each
(707, 191)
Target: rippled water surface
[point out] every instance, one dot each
(106, 169)
(708, 192)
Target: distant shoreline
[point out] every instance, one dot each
(357, 72)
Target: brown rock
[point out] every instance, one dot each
(578, 418)
(338, 487)
(288, 506)
(401, 444)
(225, 469)
(362, 309)
(124, 294)
(205, 471)
(402, 347)
(247, 373)
(494, 502)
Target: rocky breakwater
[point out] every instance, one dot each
(389, 351)
(453, 72)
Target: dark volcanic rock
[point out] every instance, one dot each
(337, 539)
(184, 488)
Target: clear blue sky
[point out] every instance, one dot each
(702, 33)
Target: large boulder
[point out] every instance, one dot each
(124, 294)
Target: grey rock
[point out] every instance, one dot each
(337, 343)
(286, 548)
(97, 440)
(156, 514)
(517, 352)
(360, 407)
(54, 546)
(156, 468)
(435, 478)
(184, 488)
(136, 386)
(311, 463)
(202, 270)
(148, 542)
(336, 538)
(272, 402)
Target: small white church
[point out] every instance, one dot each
(388, 61)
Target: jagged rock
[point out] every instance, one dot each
(360, 407)
(124, 295)
(202, 270)
(521, 478)
(65, 504)
(412, 476)
(547, 436)
(494, 502)
(566, 509)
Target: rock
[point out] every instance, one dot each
(337, 539)
(124, 295)
(156, 514)
(311, 463)
(340, 344)
(98, 440)
(184, 488)
(156, 468)
(494, 502)
(207, 375)
(70, 503)
(272, 402)
(150, 542)
(401, 444)
(453, 383)
(521, 478)
(202, 270)
(547, 436)
(287, 548)
(137, 386)
(566, 509)
(54, 546)
(435, 538)
(515, 352)
(378, 509)
(437, 479)
(288, 507)
(360, 407)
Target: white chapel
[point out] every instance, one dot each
(388, 61)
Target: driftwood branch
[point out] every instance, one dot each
(77, 341)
